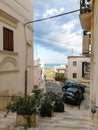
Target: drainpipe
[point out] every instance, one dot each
(26, 73)
(26, 57)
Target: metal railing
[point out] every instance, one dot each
(85, 6)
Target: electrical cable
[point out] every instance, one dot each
(39, 20)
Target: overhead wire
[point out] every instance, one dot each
(51, 17)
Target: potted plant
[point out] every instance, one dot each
(26, 109)
(58, 106)
(50, 103)
(47, 104)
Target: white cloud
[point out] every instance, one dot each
(62, 9)
(64, 33)
(68, 27)
(50, 12)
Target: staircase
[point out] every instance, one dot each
(68, 120)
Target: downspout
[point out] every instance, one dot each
(26, 57)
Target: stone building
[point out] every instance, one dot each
(16, 49)
(39, 75)
(79, 69)
(89, 23)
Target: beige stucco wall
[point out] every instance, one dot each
(95, 54)
(76, 69)
(13, 15)
(39, 75)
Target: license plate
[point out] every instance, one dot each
(69, 97)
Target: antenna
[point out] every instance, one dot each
(72, 52)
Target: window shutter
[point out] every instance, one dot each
(8, 39)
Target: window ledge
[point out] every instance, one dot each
(8, 52)
(8, 71)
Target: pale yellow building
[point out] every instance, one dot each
(16, 48)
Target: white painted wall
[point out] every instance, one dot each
(13, 15)
(76, 69)
(95, 57)
(39, 74)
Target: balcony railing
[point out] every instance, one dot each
(85, 6)
(85, 14)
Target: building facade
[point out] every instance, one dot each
(61, 69)
(89, 23)
(79, 69)
(39, 75)
(16, 48)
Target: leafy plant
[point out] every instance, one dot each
(46, 107)
(24, 105)
(21, 105)
(51, 102)
(58, 106)
(60, 77)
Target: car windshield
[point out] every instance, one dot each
(73, 90)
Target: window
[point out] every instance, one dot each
(74, 75)
(86, 69)
(74, 63)
(8, 39)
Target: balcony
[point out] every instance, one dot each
(85, 15)
(86, 45)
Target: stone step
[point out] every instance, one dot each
(7, 123)
(54, 128)
(67, 124)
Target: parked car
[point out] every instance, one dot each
(73, 96)
(70, 83)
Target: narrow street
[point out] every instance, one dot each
(73, 118)
(57, 88)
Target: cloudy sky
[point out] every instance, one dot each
(56, 39)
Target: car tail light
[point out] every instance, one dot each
(64, 94)
(77, 95)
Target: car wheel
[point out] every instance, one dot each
(78, 102)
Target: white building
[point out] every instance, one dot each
(60, 69)
(39, 75)
(16, 48)
(79, 68)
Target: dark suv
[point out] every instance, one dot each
(73, 96)
(70, 83)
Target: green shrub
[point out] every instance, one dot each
(51, 102)
(58, 106)
(24, 105)
(60, 77)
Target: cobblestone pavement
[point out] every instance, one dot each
(74, 118)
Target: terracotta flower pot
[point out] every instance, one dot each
(26, 120)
